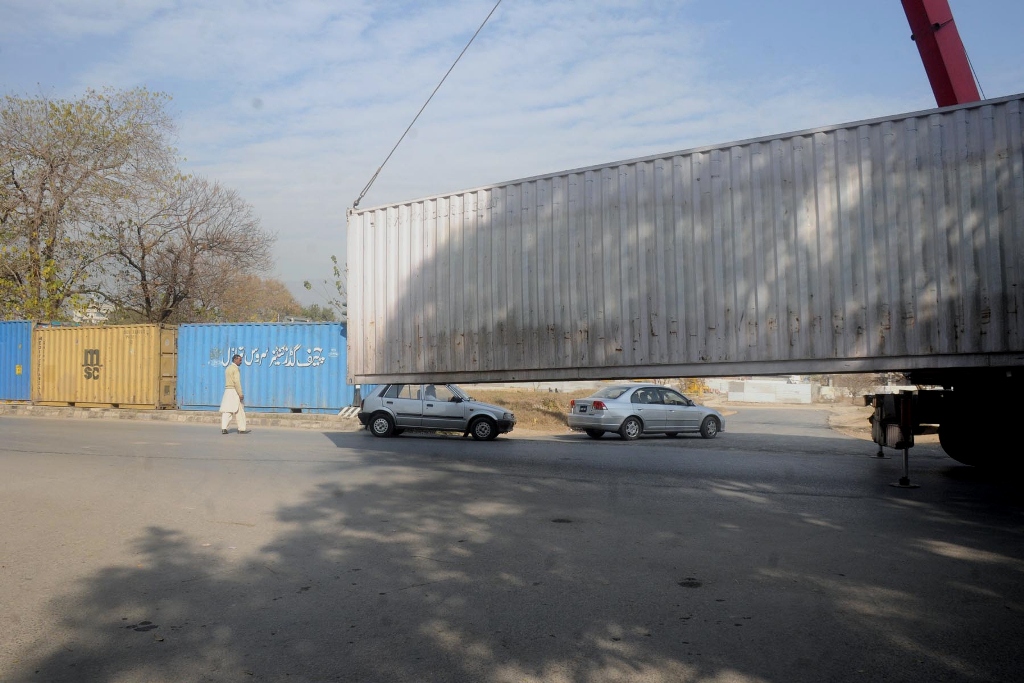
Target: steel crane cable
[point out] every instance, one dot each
(381, 167)
(975, 74)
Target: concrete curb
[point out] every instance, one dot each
(291, 420)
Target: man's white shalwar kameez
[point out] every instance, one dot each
(231, 403)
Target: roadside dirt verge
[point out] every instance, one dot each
(853, 421)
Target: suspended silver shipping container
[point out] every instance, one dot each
(890, 244)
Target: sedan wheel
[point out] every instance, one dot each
(595, 433)
(709, 427)
(382, 425)
(484, 430)
(630, 429)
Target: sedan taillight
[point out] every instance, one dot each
(599, 405)
(572, 404)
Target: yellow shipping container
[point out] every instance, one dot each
(120, 366)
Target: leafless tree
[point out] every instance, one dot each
(856, 385)
(172, 253)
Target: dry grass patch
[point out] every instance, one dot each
(535, 410)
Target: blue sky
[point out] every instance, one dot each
(295, 104)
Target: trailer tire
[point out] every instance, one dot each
(957, 444)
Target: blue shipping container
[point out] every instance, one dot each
(286, 367)
(15, 360)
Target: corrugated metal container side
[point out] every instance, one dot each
(891, 244)
(123, 366)
(286, 367)
(15, 360)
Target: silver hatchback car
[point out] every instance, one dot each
(390, 409)
(634, 409)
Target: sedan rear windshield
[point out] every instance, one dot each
(611, 392)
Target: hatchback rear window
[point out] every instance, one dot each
(403, 391)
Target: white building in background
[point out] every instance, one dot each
(764, 390)
(93, 314)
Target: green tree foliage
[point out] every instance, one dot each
(94, 209)
(63, 163)
(334, 291)
(318, 313)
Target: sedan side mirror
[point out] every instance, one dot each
(456, 399)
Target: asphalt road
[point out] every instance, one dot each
(777, 552)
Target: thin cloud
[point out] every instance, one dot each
(296, 104)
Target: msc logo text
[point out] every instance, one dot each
(91, 363)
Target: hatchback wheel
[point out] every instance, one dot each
(595, 433)
(709, 427)
(484, 429)
(382, 425)
(630, 429)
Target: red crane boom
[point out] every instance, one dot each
(942, 51)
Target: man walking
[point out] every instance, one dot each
(231, 404)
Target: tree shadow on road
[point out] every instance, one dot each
(421, 573)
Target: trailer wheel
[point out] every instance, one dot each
(956, 442)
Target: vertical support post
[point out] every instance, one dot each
(905, 479)
(906, 436)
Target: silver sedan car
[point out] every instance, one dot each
(634, 409)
